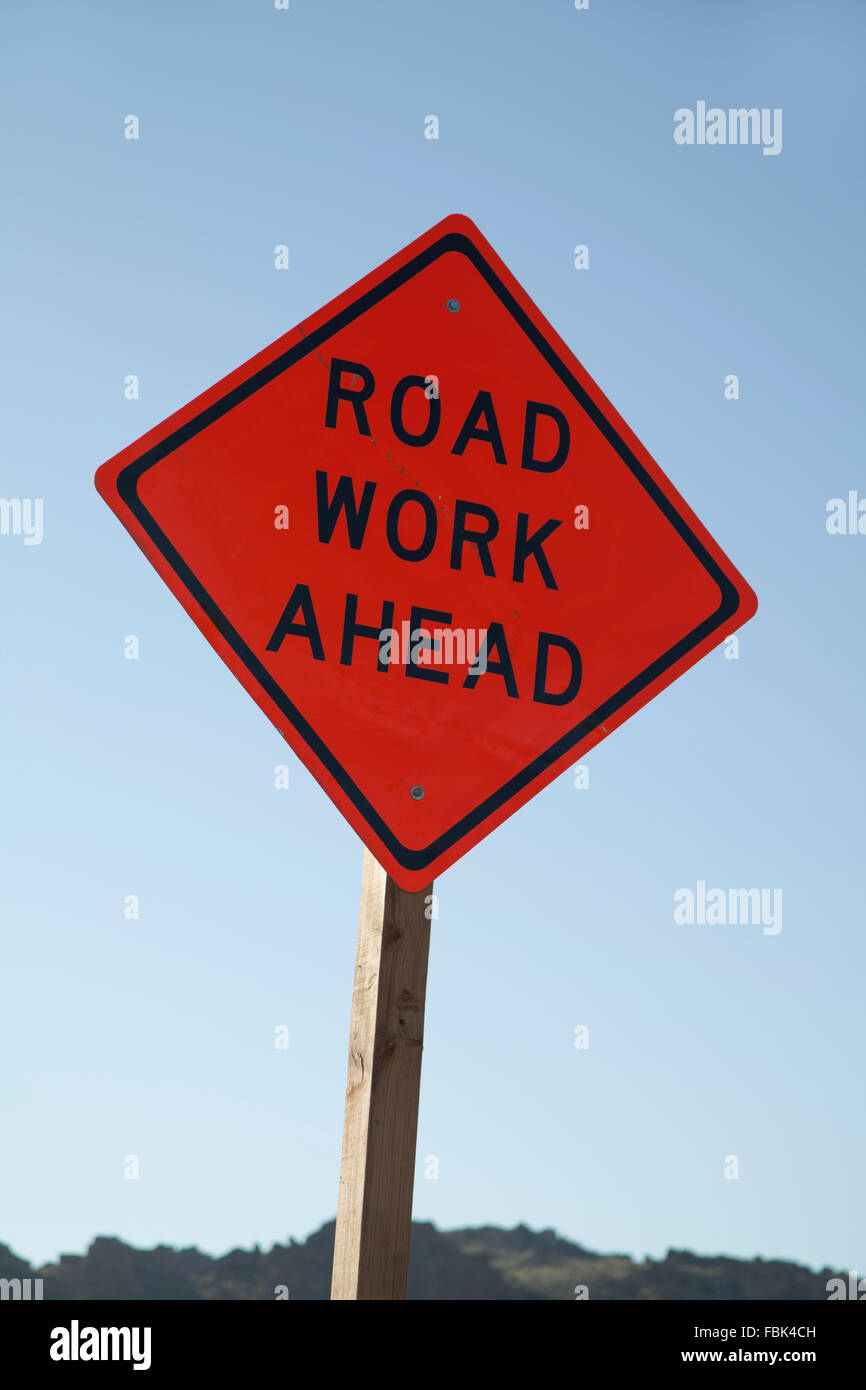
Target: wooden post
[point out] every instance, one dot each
(374, 1211)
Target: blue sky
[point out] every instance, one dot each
(154, 1037)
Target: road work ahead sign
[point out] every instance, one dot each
(423, 540)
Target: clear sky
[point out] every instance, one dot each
(155, 777)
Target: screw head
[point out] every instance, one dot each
(416, 793)
(453, 306)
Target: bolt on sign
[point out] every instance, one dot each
(429, 548)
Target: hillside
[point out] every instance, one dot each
(483, 1263)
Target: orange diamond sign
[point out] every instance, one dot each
(429, 548)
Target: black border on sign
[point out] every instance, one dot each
(127, 487)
